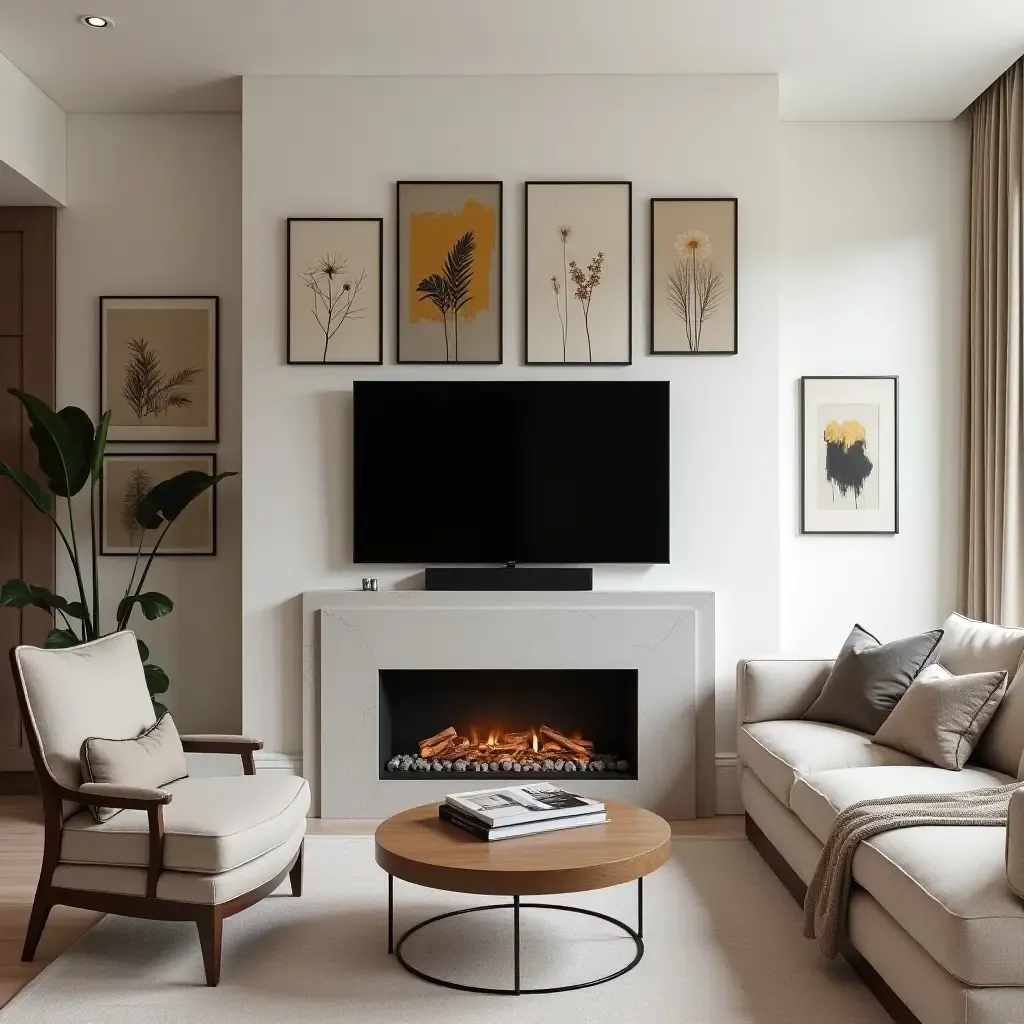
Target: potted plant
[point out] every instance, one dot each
(70, 450)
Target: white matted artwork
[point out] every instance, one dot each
(579, 273)
(849, 449)
(334, 290)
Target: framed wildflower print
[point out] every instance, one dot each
(579, 273)
(449, 272)
(159, 367)
(694, 277)
(335, 290)
(849, 455)
(127, 479)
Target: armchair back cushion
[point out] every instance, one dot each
(97, 689)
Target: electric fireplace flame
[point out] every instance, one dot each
(494, 746)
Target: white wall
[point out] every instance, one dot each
(154, 208)
(874, 256)
(334, 146)
(32, 137)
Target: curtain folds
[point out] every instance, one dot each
(992, 542)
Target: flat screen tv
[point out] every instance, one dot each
(542, 472)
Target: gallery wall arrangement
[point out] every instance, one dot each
(159, 367)
(335, 290)
(449, 277)
(579, 273)
(849, 455)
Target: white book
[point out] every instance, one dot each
(530, 828)
(514, 805)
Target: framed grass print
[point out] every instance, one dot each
(579, 273)
(159, 367)
(335, 289)
(694, 277)
(449, 271)
(849, 455)
(127, 478)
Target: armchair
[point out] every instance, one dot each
(199, 849)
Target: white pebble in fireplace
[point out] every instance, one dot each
(617, 685)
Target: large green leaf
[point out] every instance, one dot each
(29, 487)
(63, 443)
(19, 594)
(169, 498)
(153, 605)
(156, 680)
(143, 650)
(99, 446)
(159, 708)
(60, 638)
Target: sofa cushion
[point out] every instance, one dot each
(781, 752)
(211, 825)
(816, 799)
(968, 645)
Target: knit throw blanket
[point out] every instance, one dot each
(825, 904)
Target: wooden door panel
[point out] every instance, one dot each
(11, 283)
(10, 515)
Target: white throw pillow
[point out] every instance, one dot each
(149, 761)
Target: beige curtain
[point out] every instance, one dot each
(992, 549)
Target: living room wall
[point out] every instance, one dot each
(336, 146)
(154, 208)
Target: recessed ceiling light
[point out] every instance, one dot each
(96, 21)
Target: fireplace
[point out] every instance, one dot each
(502, 725)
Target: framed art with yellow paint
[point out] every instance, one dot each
(849, 455)
(158, 367)
(335, 290)
(579, 273)
(449, 272)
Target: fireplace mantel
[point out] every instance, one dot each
(349, 636)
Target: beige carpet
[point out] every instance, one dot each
(723, 947)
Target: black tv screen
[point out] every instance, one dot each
(511, 471)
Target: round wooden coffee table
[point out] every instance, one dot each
(419, 847)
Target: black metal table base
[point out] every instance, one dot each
(516, 906)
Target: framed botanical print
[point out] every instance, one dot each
(335, 289)
(159, 367)
(694, 277)
(579, 273)
(128, 478)
(449, 272)
(849, 455)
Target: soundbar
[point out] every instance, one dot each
(511, 577)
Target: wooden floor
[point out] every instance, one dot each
(21, 848)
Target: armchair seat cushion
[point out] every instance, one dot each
(211, 825)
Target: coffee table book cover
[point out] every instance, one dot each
(529, 828)
(514, 805)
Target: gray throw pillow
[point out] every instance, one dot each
(942, 716)
(869, 677)
(148, 761)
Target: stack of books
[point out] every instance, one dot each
(520, 811)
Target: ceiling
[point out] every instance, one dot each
(836, 59)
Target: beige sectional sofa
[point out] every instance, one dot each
(934, 919)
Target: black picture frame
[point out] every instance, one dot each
(291, 361)
(734, 202)
(212, 456)
(628, 186)
(499, 247)
(214, 438)
(804, 530)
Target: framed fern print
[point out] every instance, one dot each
(127, 478)
(159, 367)
(449, 272)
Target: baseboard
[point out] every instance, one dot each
(727, 784)
(272, 761)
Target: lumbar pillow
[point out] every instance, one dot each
(869, 677)
(941, 716)
(150, 761)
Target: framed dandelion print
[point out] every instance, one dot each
(335, 282)
(159, 367)
(579, 273)
(849, 455)
(127, 479)
(693, 277)
(449, 272)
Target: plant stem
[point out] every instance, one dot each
(73, 551)
(135, 566)
(145, 573)
(444, 318)
(695, 344)
(565, 286)
(455, 321)
(327, 303)
(95, 562)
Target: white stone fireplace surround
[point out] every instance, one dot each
(668, 638)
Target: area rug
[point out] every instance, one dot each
(723, 946)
